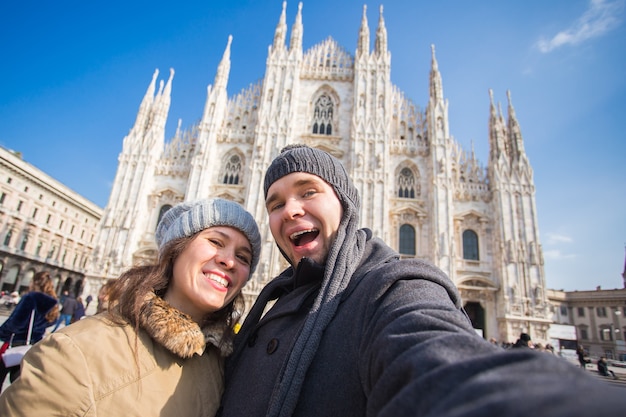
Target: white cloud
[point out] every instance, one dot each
(555, 254)
(601, 17)
(553, 238)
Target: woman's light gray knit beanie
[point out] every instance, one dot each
(188, 218)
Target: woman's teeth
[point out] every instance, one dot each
(222, 281)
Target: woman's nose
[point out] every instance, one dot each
(226, 258)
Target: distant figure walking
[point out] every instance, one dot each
(79, 313)
(67, 312)
(88, 301)
(580, 352)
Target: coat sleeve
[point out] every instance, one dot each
(54, 380)
(18, 320)
(420, 356)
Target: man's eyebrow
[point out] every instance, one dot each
(271, 199)
(304, 181)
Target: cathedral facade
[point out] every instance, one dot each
(421, 192)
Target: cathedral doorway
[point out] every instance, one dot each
(476, 314)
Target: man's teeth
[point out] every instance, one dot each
(222, 281)
(296, 235)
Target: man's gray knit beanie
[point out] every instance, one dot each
(188, 218)
(301, 158)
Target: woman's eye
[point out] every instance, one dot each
(245, 259)
(309, 193)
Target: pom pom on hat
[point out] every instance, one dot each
(188, 218)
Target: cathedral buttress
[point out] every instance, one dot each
(442, 232)
(371, 126)
(295, 43)
(144, 108)
(363, 44)
(276, 124)
(517, 152)
(206, 162)
(498, 151)
(380, 48)
(124, 221)
(280, 35)
(518, 253)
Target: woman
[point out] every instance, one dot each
(41, 299)
(103, 296)
(159, 348)
(79, 313)
(580, 352)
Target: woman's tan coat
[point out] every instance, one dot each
(96, 367)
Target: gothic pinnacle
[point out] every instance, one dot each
(381, 35)
(281, 29)
(363, 47)
(295, 43)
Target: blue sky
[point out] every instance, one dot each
(74, 72)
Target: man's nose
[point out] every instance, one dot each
(293, 208)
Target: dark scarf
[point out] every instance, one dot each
(341, 262)
(343, 258)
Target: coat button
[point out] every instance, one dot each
(272, 345)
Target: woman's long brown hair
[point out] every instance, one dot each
(128, 293)
(43, 283)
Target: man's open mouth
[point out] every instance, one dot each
(303, 237)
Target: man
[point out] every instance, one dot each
(68, 307)
(356, 331)
(523, 341)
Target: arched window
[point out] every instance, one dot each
(7, 238)
(9, 281)
(323, 116)
(162, 212)
(406, 184)
(232, 170)
(470, 245)
(407, 240)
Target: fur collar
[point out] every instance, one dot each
(176, 331)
